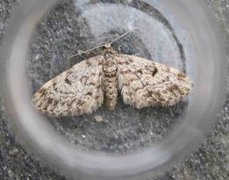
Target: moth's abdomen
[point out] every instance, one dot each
(110, 85)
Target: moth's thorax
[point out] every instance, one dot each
(109, 64)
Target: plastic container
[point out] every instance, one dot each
(177, 33)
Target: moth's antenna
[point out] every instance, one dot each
(126, 33)
(83, 52)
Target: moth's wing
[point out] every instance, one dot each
(145, 83)
(74, 92)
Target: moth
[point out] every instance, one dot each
(100, 79)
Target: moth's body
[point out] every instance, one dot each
(110, 80)
(97, 80)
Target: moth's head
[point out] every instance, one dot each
(108, 48)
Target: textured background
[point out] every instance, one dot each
(209, 161)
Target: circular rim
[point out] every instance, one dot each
(63, 155)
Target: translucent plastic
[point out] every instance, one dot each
(184, 36)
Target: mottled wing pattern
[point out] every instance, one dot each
(145, 83)
(74, 92)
